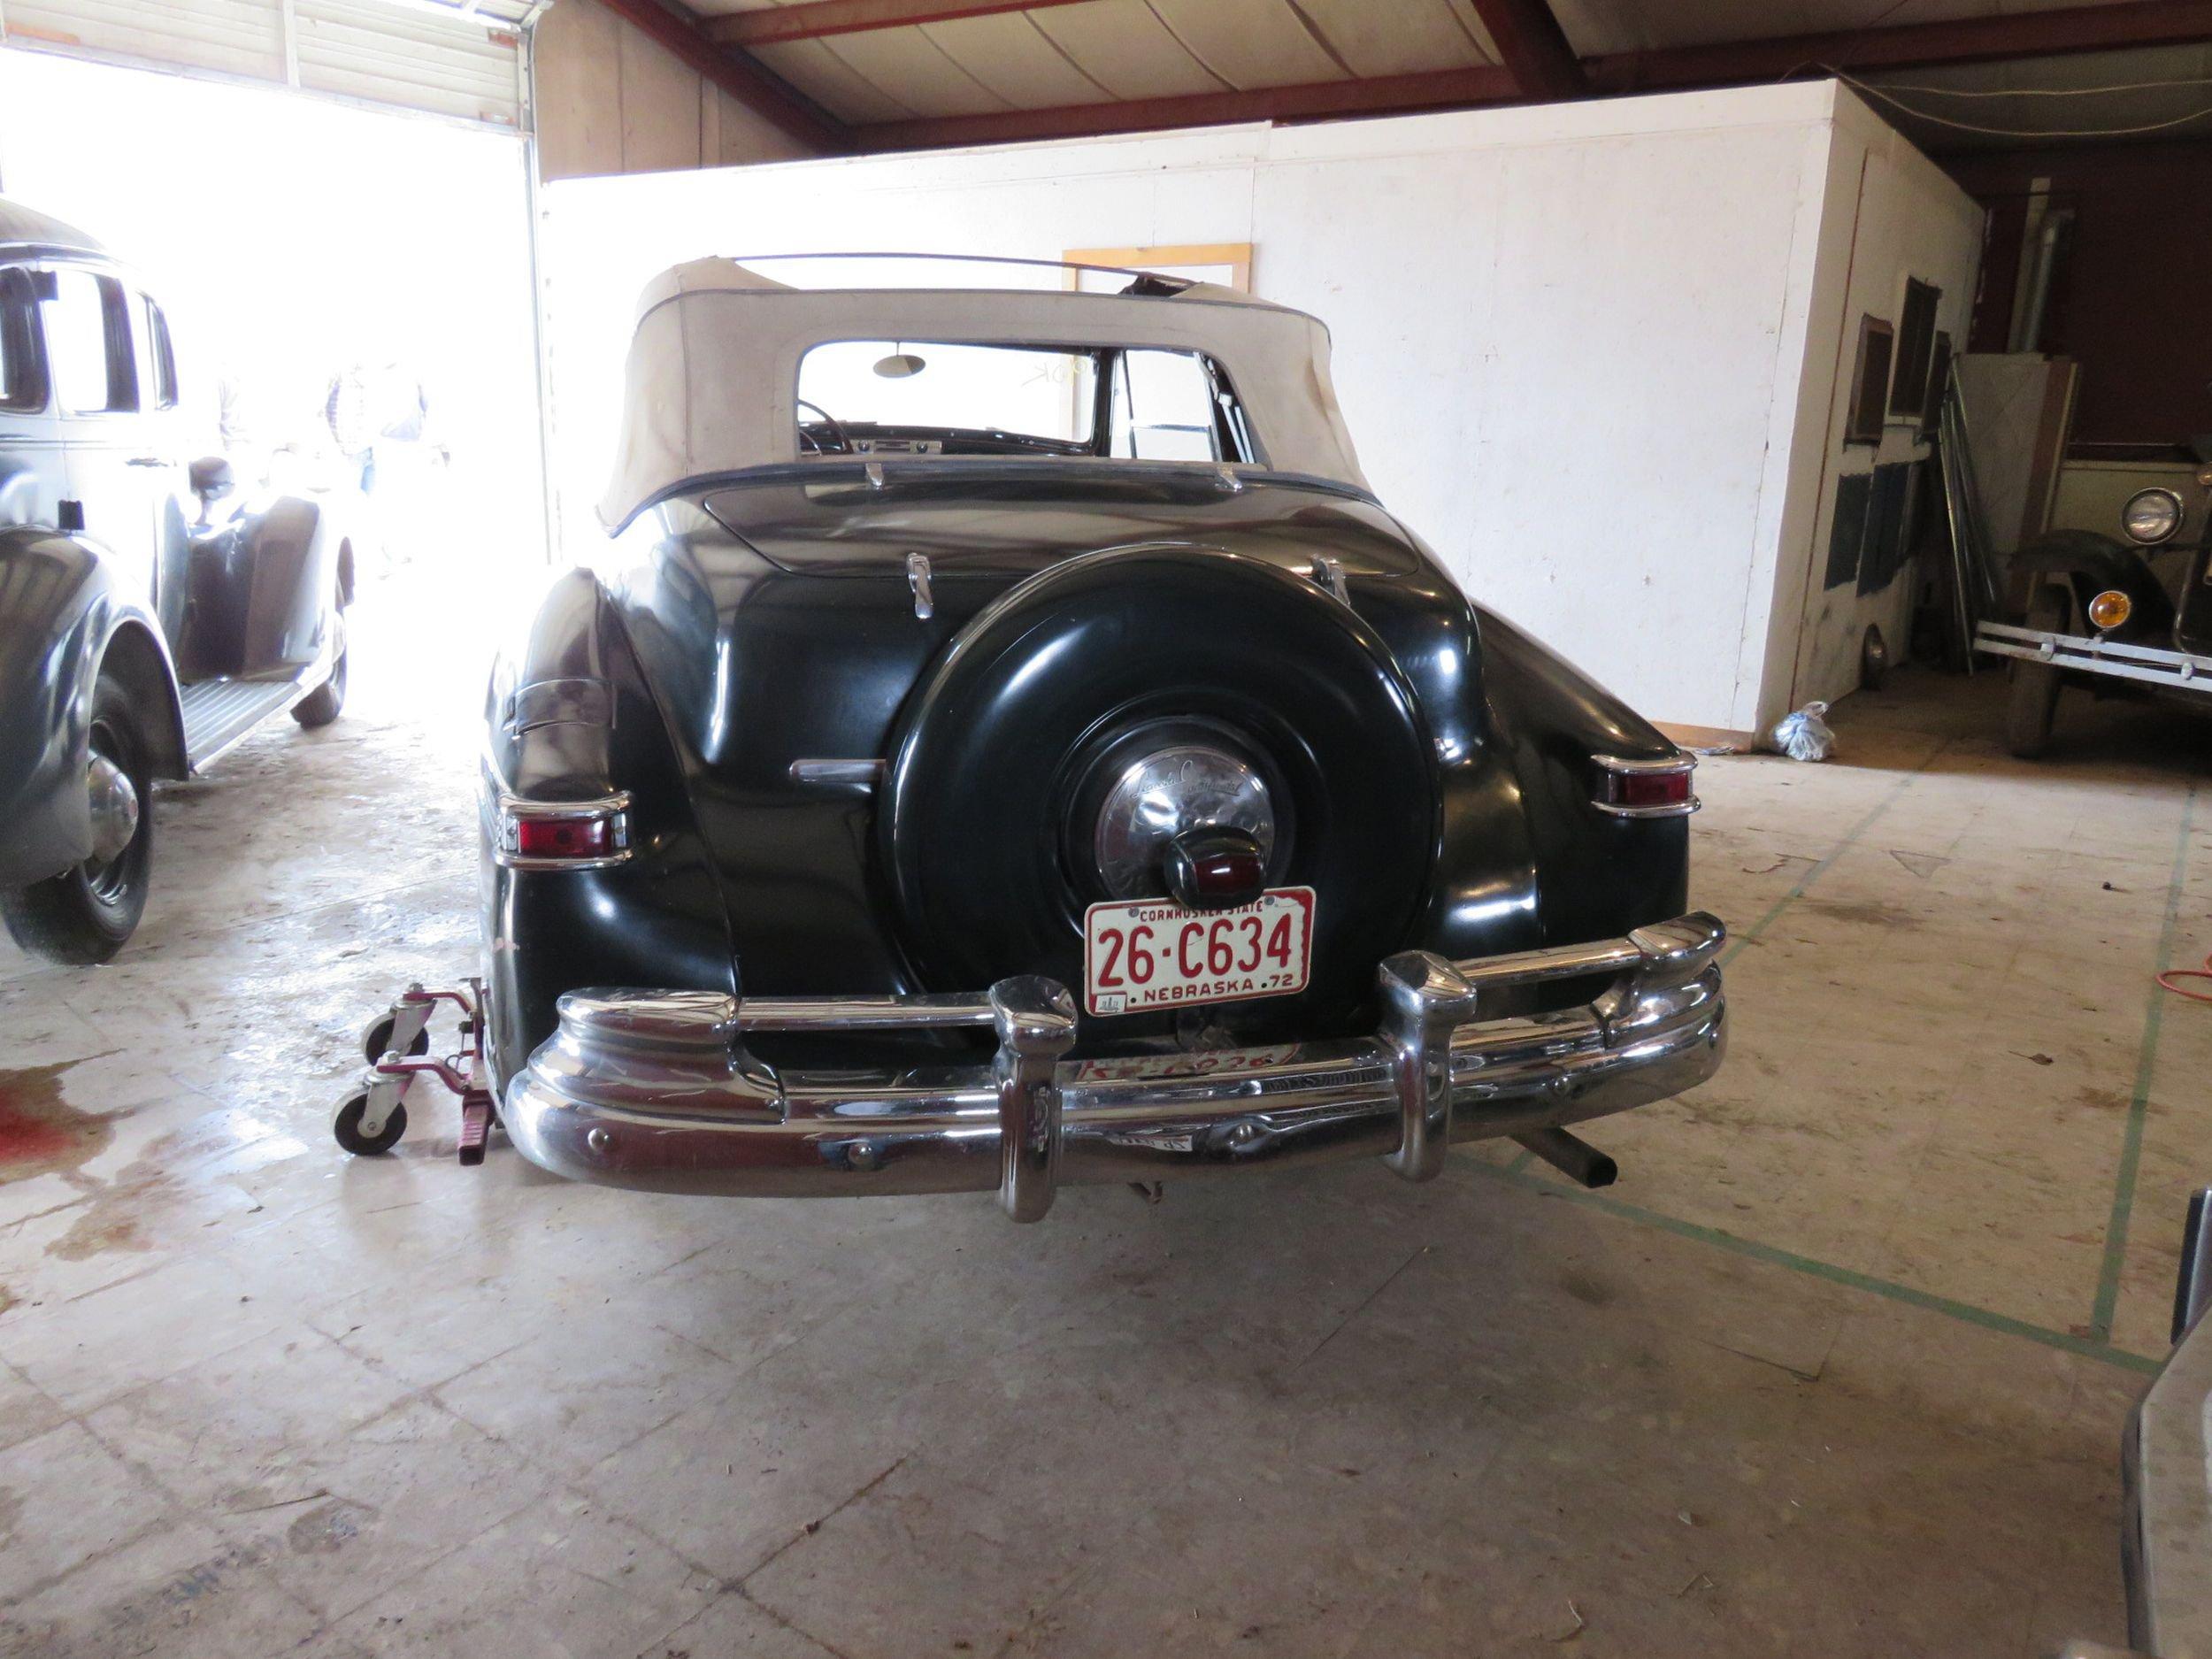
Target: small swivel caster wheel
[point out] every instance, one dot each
(376, 1041)
(346, 1126)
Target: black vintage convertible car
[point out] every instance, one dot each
(1005, 743)
(139, 636)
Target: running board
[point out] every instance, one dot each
(218, 714)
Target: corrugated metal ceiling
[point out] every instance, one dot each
(1098, 51)
(1113, 49)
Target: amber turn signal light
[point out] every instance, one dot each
(2109, 608)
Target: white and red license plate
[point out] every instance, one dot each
(1153, 954)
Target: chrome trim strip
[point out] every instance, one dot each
(864, 774)
(864, 1013)
(1684, 811)
(654, 1090)
(2149, 664)
(579, 700)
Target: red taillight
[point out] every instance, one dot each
(564, 837)
(1644, 788)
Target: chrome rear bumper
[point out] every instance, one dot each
(655, 1090)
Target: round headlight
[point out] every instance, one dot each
(2151, 516)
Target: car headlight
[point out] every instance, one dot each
(2151, 516)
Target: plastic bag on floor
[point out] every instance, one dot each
(1804, 735)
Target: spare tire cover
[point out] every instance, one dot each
(995, 758)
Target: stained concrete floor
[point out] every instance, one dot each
(1840, 1367)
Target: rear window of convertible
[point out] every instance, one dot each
(947, 397)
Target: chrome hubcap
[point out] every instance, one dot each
(114, 801)
(1158, 797)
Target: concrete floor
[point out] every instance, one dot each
(1840, 1367)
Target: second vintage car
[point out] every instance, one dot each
(2129, 618)
(143, 632)
(1006, 743)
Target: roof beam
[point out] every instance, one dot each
(766, 94)
(2087, 28)
(1381, 95)
(1532, 45)
(812, 19)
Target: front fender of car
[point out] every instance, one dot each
(62, 617)
(292, 575)
(568, 719)
(2090, 564)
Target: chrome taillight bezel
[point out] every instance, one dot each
(1609, 786)
(511, 812)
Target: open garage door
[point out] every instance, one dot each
(465, 65)
(349, 288)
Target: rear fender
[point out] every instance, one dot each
(568, 717)
(62, 619)
(1597, 875)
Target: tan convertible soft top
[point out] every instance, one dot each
(713, 368)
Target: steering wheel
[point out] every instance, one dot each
(813, 440)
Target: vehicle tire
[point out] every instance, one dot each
(87, 913)
(985, 824)
(376, 1041)
(320, 706)
(347, 1127)
(2033, 700)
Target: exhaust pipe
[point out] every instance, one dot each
(1572, 1155)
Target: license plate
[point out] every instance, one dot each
(1151, 955)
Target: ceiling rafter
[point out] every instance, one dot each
(1533, 47)
(750, 83)
(769, 25)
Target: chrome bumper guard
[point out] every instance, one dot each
(2148, 664)
(656, 1089)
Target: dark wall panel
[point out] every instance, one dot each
(2133, 289)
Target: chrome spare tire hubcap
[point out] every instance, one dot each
(1164, 795)
(114, 800)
